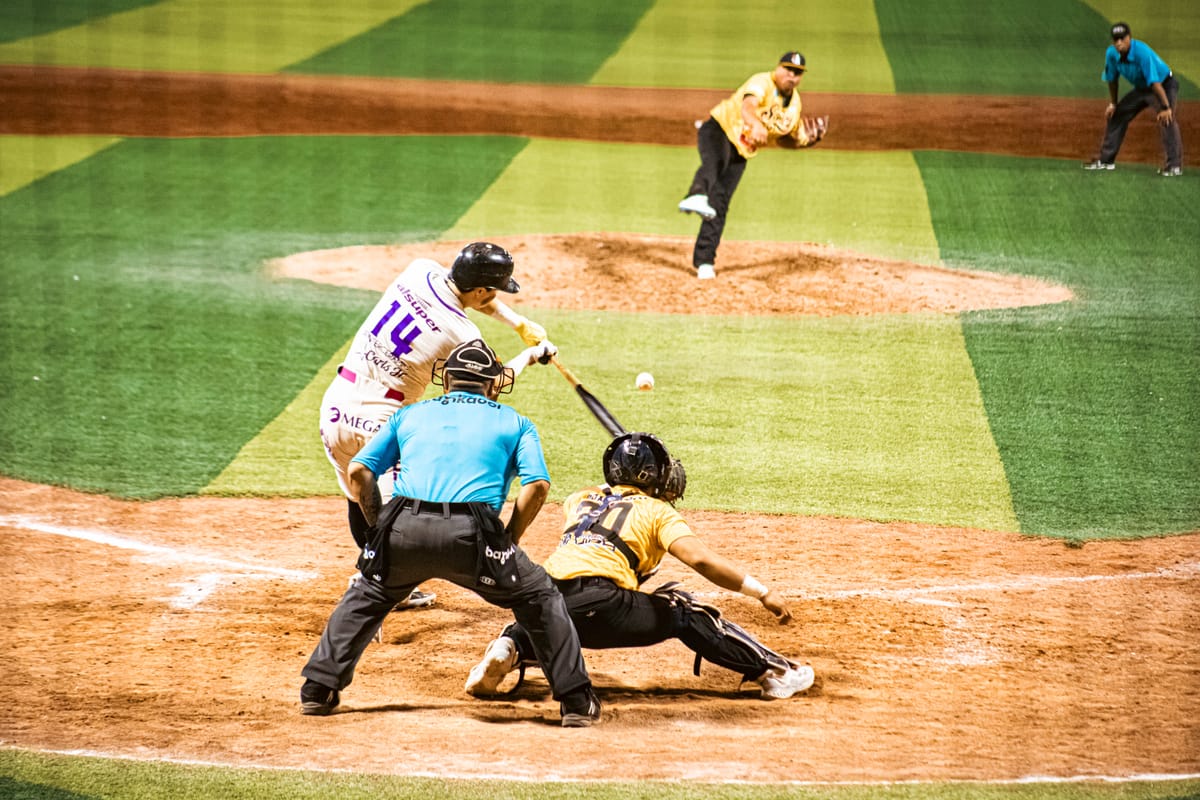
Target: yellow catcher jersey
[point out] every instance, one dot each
(646, 525)
(780, 119)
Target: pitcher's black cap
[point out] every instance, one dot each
(793, 60)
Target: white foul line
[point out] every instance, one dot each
(1148, 777)
(191, 593)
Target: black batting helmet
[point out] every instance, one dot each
(641, 460)
(484, 265)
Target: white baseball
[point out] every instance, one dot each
(644, 381)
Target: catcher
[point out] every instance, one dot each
(765, 110)
(616, 537)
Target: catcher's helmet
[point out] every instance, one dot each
(642, 460)
(475, 362)
(484, 265)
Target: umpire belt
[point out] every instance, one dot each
(445, 510)
(570, 585)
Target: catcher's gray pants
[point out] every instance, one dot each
(720, 172)
(429, 545)
(1132, 104)
(608, 616)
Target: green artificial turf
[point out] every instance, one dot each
(872, 202)
(142, 343)
(20, 19)
(38, 776)
(203, 36)
(24, 159)
(1092, 403)
(555, 41)
(876, 418)
(716, 44)
(1050, 48)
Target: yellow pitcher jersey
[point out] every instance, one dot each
(780, 120)
(646, 525)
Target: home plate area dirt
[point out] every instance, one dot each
(176, 629)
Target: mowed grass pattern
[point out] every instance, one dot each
(25, 159)
(144, 343)
(204, 36)
(714, 44)
(1093, 403)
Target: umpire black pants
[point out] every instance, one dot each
(607, 616)
(720, 172)
(428, 545)
(1132, 104)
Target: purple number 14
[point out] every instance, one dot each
(403, 332)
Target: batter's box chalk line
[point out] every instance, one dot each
(192, 591)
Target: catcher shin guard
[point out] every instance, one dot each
(716, 639)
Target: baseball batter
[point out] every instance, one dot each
(764, 111)
(419, 319)
(616, 537)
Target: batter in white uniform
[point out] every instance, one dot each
(419, 319)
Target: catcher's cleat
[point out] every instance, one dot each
(705, 272)
(780, 684)
(416, 599)
(583, 712)
(317, 700)
(697, 204)
(499, 659)
(1098, 164)
(1171, 172)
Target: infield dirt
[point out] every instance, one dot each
(156, 630)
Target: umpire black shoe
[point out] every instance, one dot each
(318, 700)
(580, 709)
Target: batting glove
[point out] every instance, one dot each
(530, 332)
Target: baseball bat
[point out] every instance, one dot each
(602, 414)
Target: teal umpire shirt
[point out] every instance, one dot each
(457, 448)
(1142, 67)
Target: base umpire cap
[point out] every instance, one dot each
(484, 265)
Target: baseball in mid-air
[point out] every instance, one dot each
(644, 381)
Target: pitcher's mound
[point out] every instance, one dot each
(635, 273)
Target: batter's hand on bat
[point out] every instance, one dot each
(547, 351)
(541, 353)
(774, 602)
